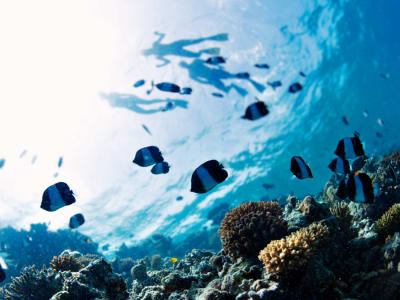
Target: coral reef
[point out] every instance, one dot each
(156, 262)
(246, 229)
(66, 262)
(389, 223)
(295, 251)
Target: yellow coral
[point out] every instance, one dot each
(294, 251)
(389, 223)
(342, 213)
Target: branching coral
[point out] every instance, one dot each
(66, 263)
(293, 252)
(389, 223)
(33, 284)
(246, 229)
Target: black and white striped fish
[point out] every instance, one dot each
(160, 168)
(148, 156)
(57, 196)
(299, 168)
(207, 176)
(340, 165)
(349, 148)
(358, 187)
(76, 220)
(256, 111)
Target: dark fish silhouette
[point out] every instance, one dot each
(139, 83)
(302, 74)
(243, 75)
(356, 134)
(57, 196)
(340, 165)
(179, 198)
(295, 87)
(186, 91)
(349, 148)
(358, 187)
(256, 111)
(344, 119)
(275, 84)
(215, 60)
(148, 156)
(168, 87)
(268, 186)
(379, 135)
(2, 274)
(207, 176)
(76, 220)
(146, 129)
(218, 95)
(60, 161)
(262, 66)
(359, 163)
(160, 168)
(299, 168)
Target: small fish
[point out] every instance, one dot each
(60, 161)
(262, 66)
(302, 74)
(243, 75)
(365, 113)
(76, 220)
(55, 175)
(186, 91)
(148, 156)
(268, 186)
(139, 83)
(174, 260)
(256, 111)
(146, 129)
(359, 163)
(349, 148)
(170, 105)
(2, 274)
(22, 154)
(168, 87)
(344, 119)
(295, 87)
(215, 60)
(2, 162)
(56, 196)
(339, 165)
(34, 159)
(384, 75)
(379, 135)
(392, 174)
(207, 176)
(299, 168)
(218, 95)
(160, 168)
(380, 122)
(358, 187)
(356, 134)
(179, 198)
(87, 241)
(275, 84)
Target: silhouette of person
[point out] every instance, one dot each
(177, 48)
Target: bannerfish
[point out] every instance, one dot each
(215, 60)
(148, 156)
(146, 129)
(299, 168)
(340, 165)
(345, 121)
(243, 75)
(2, 162)
(380, 122)
(365, 113)
(2, 274)
(207, 176)
(359, 163)
(60, 161)
(262, 66)
(179, 198)
(56, 196)
(256, 111)
(275, 84)
(302, 74)
(358, 187)
(186, 91)
(349, 148)
(139, 83)
(76, 220)
(160, 168)
(34, 159)
(168, 87)
(218, 95)
(295, 87)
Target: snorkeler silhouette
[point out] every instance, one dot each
(205, 74)
(177, 48)
(136, 104)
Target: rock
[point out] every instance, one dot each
(213, 294)
(139, 272)
(391, 252)
(174, 281)
(313, 210)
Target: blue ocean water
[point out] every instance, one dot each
(94, 117)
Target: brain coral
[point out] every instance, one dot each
(293, 252)
(389, 223)
(246, 229)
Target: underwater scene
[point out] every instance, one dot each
(210, 150)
